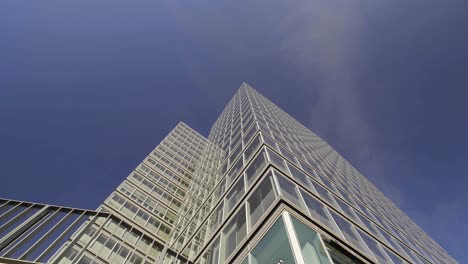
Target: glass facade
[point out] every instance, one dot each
(261, 188)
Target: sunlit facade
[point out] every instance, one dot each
(261, 189)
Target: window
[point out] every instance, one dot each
(299, 176)
(255, 168)
(347, 210)
(374, 248)
(212, 255)
(234, 171)
(274, 247)
(276, 160)
(234, 232)
(324, 194)
(269, 142)
(217, 216)
(85, 260)
(261, 199)
(310, 242)
(318, 210)
(348, 231)
(234, 194)
(251, 148)
(288, 190)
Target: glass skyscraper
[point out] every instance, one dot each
(261, 189)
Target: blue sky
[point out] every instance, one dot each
(88, 88)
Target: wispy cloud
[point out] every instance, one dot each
(324, 40)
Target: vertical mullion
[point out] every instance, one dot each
(4, 204)
(38, 227)
(55, 242)
(7, 214)
(325, 248)
(60, 253)
(16, 217)
(296, 247)
(20, 228)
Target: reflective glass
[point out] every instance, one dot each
(234, 232)
(299, 176)
(374, 248)
(392, 256)
(212, 255)
(347, 210)
(252, 148)
(234, 172)
(318, 210)
(324, 194)
(348, 231)
(276, 160)
(234, 194)
(311, 245)
(255, 168)
(289, 190)
(260, 200)
(269, 142)
(274, 247)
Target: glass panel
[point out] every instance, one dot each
(234, 232)
(234, 195)
(234, 172)
(274, 247)
(348, 231)
(347, 210)
(289, 190)
(318, 211)
(276, 160)
(269, 142)
(324, 194)
(251, 148)
(212, 255)
(311, 245)
(249, 135)
(328, 183)
(260, 200)
(235, 153)
(255, 168)
(288, 155)
(307, 169)
(370, 226)
(374, 248)
(299, 176)
(394, 257)
(217, 216)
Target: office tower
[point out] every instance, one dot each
(262, 188)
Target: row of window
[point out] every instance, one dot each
(146, 169)
(185, 132)
(133, 212)
(152, 205)
(160, 182)
(113, 243)
(174, 154)
(156, 191)
(173, 141)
